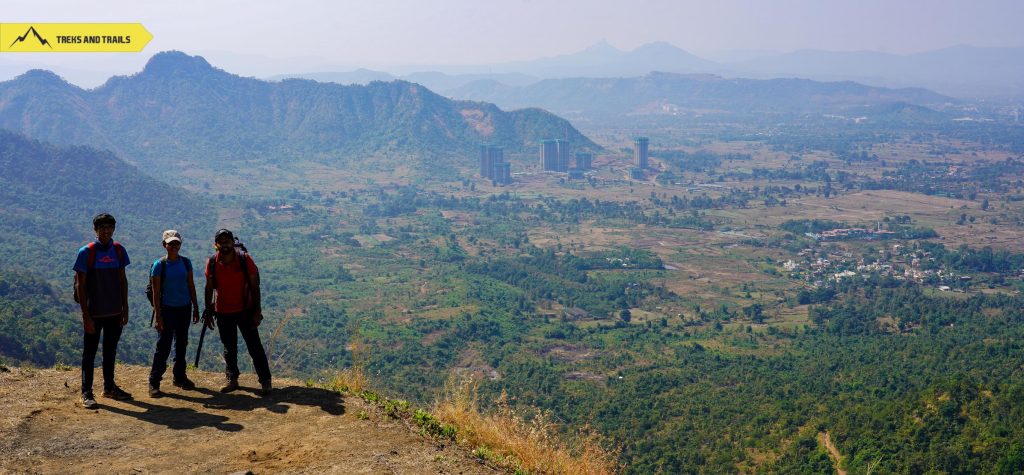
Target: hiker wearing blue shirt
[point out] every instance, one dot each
(101, 289)
(174, 293)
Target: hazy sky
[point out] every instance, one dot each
(376, 33)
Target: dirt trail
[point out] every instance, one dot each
(833, 452)
(44, 429)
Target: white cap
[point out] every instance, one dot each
(171, 235)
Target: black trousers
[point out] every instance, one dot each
(110, 327)
(229, 325)
(176, 321)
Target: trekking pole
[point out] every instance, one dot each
(202, 334)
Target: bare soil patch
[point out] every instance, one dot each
(297, 429)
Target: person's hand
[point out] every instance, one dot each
(195, 314)
(87, 322)
(208, 318)
(124, 317)
(257, 317)
(159, 325)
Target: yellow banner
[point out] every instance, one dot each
(73, 37)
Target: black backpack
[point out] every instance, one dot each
(163, 277)
(90, 263)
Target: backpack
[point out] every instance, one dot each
(163, 277)
(90, 262)
(243, 257)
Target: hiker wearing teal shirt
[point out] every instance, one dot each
(173, 295)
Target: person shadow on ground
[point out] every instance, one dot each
(247, 399)
(177, 418)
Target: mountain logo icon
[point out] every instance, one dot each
(32, 30)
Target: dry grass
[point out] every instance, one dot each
(353, 380)
(524, 444)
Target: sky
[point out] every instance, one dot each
(378, 34)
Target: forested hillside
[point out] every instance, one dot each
(37, 324)
(181, 110)
(48, 196)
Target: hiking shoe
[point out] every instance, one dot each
(265, 388)
(231, 385)
(154, 392)
(184, 383)
(88, 401)
(116, 394)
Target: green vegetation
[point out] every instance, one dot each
(35, 325)
(682, 313)
(181, 110)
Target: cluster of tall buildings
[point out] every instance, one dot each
(555, 153)
(554, 156)
(493, 165)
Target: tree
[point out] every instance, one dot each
(755, 312)
(625, 315)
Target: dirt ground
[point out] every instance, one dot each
(297, 429)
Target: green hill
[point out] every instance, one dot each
(180, 109)
(35, 323)
(48, 196)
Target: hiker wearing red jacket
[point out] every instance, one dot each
(233, 286)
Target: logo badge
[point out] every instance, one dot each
(31, 31)
(73, 37)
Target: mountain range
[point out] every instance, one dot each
(967, 72)
(665, 94)
(433, 80)
(181, 108)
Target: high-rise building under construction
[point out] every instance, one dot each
(554, 155)
(548, 155)
(584, 160)
(563, 155)
(489, 156)
(640, 152)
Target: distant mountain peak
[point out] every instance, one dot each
(658, 46)
(602, 47)
(661, 50)
(170, 62)
(152, 115)
(43, 77)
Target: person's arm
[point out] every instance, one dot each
(195, 301)
(124, 298)
(157, 299)
(208, 297)
(83, 300)
(254, 290)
